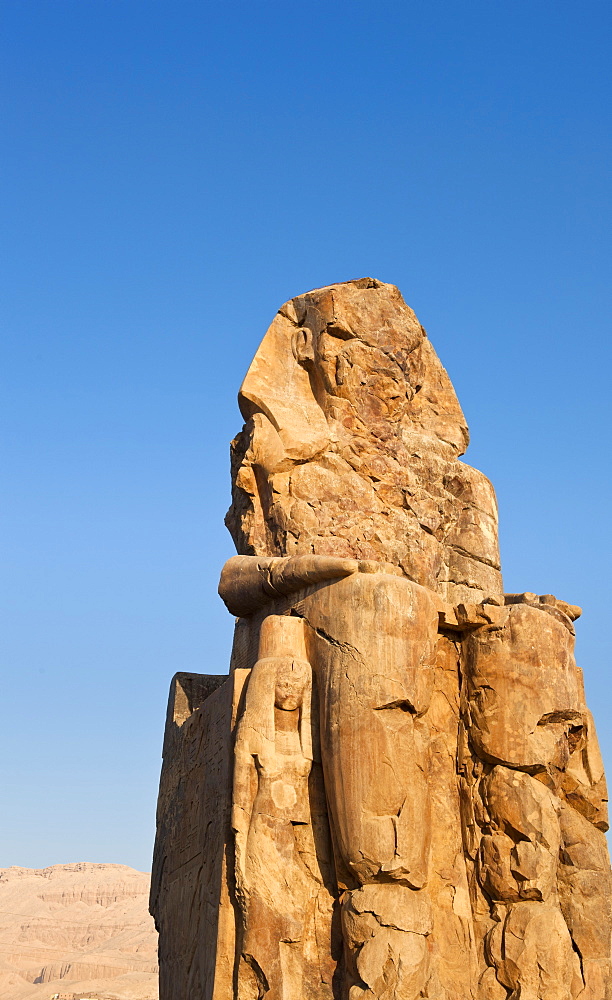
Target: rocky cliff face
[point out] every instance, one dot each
(76, 930)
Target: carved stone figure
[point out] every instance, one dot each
(275, 854)
(397, 792)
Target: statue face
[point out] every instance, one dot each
(364, 364)
(375, 383)
(291, 678)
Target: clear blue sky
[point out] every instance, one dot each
(173, 172)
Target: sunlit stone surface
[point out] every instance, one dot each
(397, 791)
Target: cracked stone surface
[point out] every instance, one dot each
(397, 792)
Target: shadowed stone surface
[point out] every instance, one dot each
(397, 792)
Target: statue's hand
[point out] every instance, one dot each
(249, 582)
(295, 572)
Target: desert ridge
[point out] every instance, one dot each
(76, 931)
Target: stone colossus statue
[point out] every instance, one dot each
(397, 793)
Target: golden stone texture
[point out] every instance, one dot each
(397, 791)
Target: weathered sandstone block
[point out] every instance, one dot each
(397, 792)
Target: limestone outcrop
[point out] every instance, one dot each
(397, 791)
(76, 930)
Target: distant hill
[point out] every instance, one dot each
(76, 930)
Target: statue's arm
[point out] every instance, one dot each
(249, 582)
(242, 810)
